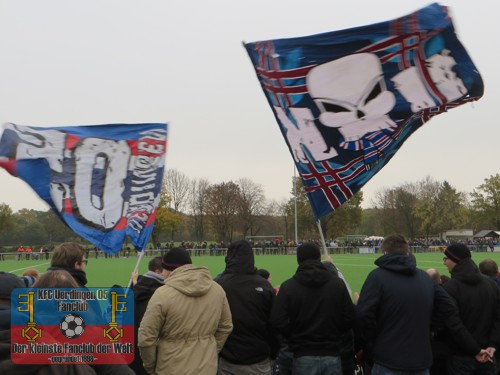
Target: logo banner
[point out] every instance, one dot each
(347, 100)
(103, 181)
(72, 326)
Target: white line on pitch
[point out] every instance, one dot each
(20, 269)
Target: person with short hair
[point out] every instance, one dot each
(70, 256)
(186, 322)
(395, 310)
(434, 275)
(489, 268)
(144, 288)
(314, 312)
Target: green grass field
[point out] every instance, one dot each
(103, 272)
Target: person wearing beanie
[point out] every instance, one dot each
(395, 310)
(477, 297)
(187, 320)
(313, 311)
(456, 253)
(175, 258)
(251, 346)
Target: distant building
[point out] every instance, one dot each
(487, 234)
(458, 235)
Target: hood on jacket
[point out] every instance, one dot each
(240, 258)
(466, 271)
(399, 263)
(312, 273)
(190, 280)
(146, 286)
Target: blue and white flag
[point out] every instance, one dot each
(346, 100)
(103, 181)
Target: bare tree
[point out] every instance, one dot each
(222, 204)
(252, 205)
(177, 187)
(197, 206)
(396, 209)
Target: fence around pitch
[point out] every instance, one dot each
(257, 251)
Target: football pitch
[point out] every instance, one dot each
(102, 272)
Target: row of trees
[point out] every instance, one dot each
(430, 207)
(196, 210)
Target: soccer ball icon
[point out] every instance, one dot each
(72, 326)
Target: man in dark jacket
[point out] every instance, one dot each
(395, 310)
(250, 347)
(314, 312)
(478, 300)
(144, 287)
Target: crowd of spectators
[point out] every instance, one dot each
(404, 320)
(276, 246)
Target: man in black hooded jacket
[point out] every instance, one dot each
(314, 312)
(250, 347)
(478, 300)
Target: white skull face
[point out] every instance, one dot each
(440, 69)
(351, 95)
(304, 134)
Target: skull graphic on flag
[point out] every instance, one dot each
(346, 100)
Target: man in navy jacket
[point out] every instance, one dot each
(395, 311)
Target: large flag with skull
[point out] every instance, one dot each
(346, 101)
(103, 181)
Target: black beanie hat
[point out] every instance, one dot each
(308, 251)
(457, 252)
(176, 258)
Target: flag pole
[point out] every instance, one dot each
(323, 242)
(322, 238)
(138, 263)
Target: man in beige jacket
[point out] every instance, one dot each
(187, 320)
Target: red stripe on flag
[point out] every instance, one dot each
(10, 166)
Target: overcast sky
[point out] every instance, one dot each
(182, 62)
